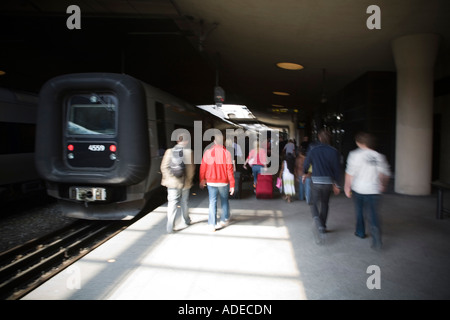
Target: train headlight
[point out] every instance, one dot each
(70, 156)
(112, 156)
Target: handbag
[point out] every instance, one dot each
(279, 183)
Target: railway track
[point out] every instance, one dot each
(25, 267)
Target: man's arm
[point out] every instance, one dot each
(337, 167)
(348, 185)
(165, 163)
(307, 163)
(202, 174)
(384, 181)
(190, 167)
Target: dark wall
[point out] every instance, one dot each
(369, 104)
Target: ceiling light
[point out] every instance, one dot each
(289, 66)
(2, 72)
(280, 93)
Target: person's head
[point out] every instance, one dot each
(365, 140)
(228, 143)
(218, 139)
(324, 136)
(183, 139)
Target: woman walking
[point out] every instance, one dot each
(287, 175)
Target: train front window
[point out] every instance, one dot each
(92, 114)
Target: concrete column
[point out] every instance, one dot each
(415, 57)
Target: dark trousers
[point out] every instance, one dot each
(369, 201)
(320, 196)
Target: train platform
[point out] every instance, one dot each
(267, 252)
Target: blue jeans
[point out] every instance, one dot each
(371, 202)
(256, 169)
(175, 198)
(222, 192)
(304, 190)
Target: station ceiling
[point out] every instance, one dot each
(186, 47)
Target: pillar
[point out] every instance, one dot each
(414, 57)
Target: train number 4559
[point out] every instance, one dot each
(96, 147)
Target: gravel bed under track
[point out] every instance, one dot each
(25, 220)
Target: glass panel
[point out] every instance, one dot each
(161, 126)
(16, 137)
(92, 114)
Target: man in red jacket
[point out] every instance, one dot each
(216, 172)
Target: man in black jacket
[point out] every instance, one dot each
(325, 161)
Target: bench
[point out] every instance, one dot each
(441, 187)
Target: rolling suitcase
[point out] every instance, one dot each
(237, 185)
(264, 186)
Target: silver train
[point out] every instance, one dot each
(100, 138)
(18, 175)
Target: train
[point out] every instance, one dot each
(18, 177)
(100, 138)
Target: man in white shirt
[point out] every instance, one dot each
(289, 148)
(366, 177)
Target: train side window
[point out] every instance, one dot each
(160, 127)
(17, 137)
(92, 114)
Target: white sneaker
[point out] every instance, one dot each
(223, 224)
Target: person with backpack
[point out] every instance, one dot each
(178, 170)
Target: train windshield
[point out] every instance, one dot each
(92, 114)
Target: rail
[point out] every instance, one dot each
(25, 267)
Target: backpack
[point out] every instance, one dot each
(177, 166)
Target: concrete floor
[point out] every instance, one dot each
(267, 252)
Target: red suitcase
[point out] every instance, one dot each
(264, 186)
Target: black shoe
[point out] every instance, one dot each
(362, 237)
(319, 235)
(376, 247)
(323, 235)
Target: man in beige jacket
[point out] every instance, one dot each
(178, 188)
